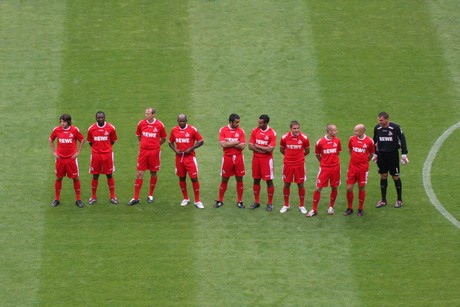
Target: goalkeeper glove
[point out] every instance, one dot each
(404, 159)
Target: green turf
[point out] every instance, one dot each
(313, 61)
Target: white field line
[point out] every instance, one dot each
(427, 175)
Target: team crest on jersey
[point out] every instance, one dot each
(266, 138)
(237, 135)
(155, 130)
(71, 135)
(335, 145)
(390, 133)
(364, 146)
(299, 142)
(187, 134)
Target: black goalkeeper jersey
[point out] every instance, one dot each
(389, 139)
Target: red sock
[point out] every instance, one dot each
(57, 189)
(286, 193)
(111, 184)
(196, 190)
(183, 188)
(239, 190)
(256, 188)
(153, 183)
(333, 197)
(302, 197)
(270, 193)
(316, 198)
(361, 197)
(350, 197)
(94, 183)
(76, 187)
(222, 189)
(137, 188)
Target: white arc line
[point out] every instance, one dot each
(427, 175)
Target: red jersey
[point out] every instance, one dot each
(294, 146)
(150, 133)
(360, 149)
(185, 138)
(265, 138)
(329, 151)
(227, 134)
(67, 140)
(101, 138)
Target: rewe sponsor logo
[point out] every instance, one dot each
(149, 134)
(101, 138)
(360, 150)
(262, 142)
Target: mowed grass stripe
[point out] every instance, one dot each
(253, 58)
(121, 57)
(30, 53)
(386, 57)
(445, 166)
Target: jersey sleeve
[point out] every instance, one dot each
(402, 142)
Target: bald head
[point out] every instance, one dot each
(182, 120)
(331, 130)
(359, 131)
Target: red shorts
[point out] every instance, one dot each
(149, 160)
(232, 165)
(67, 166)
(186, 165)
(295, 174)
(101, 163)
(262, 168)
(357, 177)
(328, 175)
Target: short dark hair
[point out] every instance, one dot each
(67, 118)
(265, 118)
(100, 112)
(294, 122)
(384, 115)
(232, 117)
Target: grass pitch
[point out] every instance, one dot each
(307, 60)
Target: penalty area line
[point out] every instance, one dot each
(427, 175)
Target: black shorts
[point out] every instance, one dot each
(388, 162)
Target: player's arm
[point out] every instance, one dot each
(171, 145)
(402, 141)
(253, 148)
(318, 157)
(80, 146)
(195, 146)
(230, 144)
(264, 149)
(53, 149)
(162, 140)
(306, 151)
(282, 150)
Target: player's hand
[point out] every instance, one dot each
(404, 159)
(374, 158)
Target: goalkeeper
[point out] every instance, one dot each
(388, 139)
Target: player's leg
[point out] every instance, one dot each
(256, 175)
(394, 172)
(351, 180)
(383, 168)
(192, 169)
(142, 166)
(268, 172)
(94, 184)
(334, 177)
